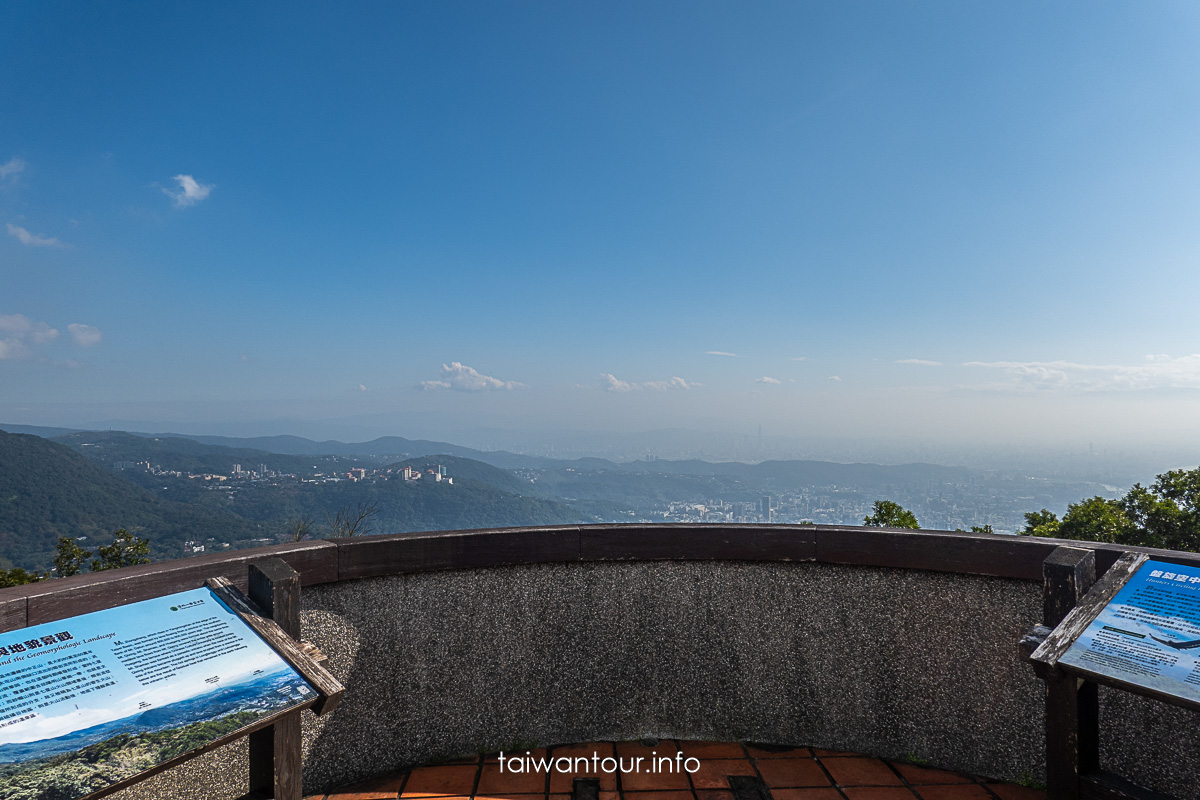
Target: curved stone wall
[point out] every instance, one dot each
(883, 661)
(893, 643)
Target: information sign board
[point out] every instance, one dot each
(1148, 635)
(90, 701)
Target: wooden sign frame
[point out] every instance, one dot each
(1072, 600)
(275, 756)
(1051, 651)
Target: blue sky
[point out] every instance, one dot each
(961, 221)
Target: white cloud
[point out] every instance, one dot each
(920, 362)
(1157, 372)
(18, 331)
(11, 348)
(361, 388)
(674, 383)
(612, 383)
(769, 380)
(799, 358)
(461, 378)
(719, 353)
(835, 378)
(11, 169)
(190, 191)
(32, 239)
(85, 335)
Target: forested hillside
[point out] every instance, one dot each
(47, 491)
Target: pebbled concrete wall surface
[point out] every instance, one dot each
(889, 662)
(882, 661)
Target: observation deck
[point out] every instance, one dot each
(901, 645)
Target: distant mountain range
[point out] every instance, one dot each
(391, 448)
(67, 486)
(79, 483)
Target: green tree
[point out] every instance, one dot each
(1040, 523)
(887, 514)
(1097, 519)
(69, 557)
(125, 551)
(18, 577)
(1167, 514)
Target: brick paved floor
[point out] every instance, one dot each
(798, 773)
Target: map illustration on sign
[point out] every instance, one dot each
(1149, 633)
(89, 701)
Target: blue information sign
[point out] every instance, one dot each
(1149, 633)
(92, 700)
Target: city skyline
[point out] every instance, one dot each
(936, 222)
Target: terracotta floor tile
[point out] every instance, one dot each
(821, 793)
(646, 781)
(564, 782)
(791, 773)
(441, 781)
(860, 771)
(356, 794)
(1012, 791)
(786, 773)
(957, 791)
(711, 749)
(925, 775)
(657, 795)
(383, 783)
(714, 772)
(602, 749)
(494, 780)
(756, 751)
(878, 793)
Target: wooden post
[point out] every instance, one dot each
(1072, 704)
(275, 764)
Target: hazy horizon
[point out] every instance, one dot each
(931, 228)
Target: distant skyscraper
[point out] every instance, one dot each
(764, 508)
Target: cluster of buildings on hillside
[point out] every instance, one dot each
(762, 510)
(430, 472)
(826, 508)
